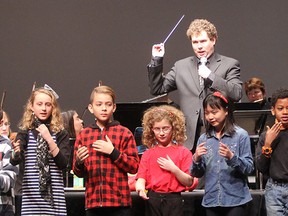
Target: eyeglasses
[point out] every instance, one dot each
(6, 124)
(165, 130)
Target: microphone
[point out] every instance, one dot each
(203, 60)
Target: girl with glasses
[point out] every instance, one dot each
(164, 168)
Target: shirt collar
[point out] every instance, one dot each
(208, 60)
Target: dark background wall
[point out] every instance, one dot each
(72, 44)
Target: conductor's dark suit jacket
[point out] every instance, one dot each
(225, 76)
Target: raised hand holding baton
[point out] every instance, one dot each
(158, 50)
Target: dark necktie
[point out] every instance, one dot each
(203, 61)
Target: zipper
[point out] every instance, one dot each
(101, 179)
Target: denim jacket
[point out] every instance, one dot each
(225, 180)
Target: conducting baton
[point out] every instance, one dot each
(173, 29)
(2, 100)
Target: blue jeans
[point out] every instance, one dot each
(276, 198)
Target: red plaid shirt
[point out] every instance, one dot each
(106, 175)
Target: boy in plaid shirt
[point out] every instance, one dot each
(104, 153)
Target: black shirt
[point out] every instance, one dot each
(276, 166)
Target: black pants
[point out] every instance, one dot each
(109, 211)
(164, 204)
(226, 211)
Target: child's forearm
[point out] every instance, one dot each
(184, 178)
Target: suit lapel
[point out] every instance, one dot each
(194, 72)
(214, 62)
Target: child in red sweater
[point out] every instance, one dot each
(164, 167)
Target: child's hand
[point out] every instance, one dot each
(140, 188)
(12, 136)
(143, 194)
(43, 130)
(272, 133)
(82, 154)
(224, 151)
(167, 164)
(103, 146)
(16, 147)
(200, 150)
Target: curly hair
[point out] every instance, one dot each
(198, 25)
(157, 113)
(27, 121)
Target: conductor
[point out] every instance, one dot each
(196, 76)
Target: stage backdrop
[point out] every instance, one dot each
(71, 45)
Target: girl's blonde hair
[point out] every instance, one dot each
(155, 114)
(27, 121)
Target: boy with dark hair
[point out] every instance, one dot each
(272, 157)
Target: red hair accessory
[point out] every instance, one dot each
(218, 94)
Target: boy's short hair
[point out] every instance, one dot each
(280, 93)
(1, 115)
(104, 90)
